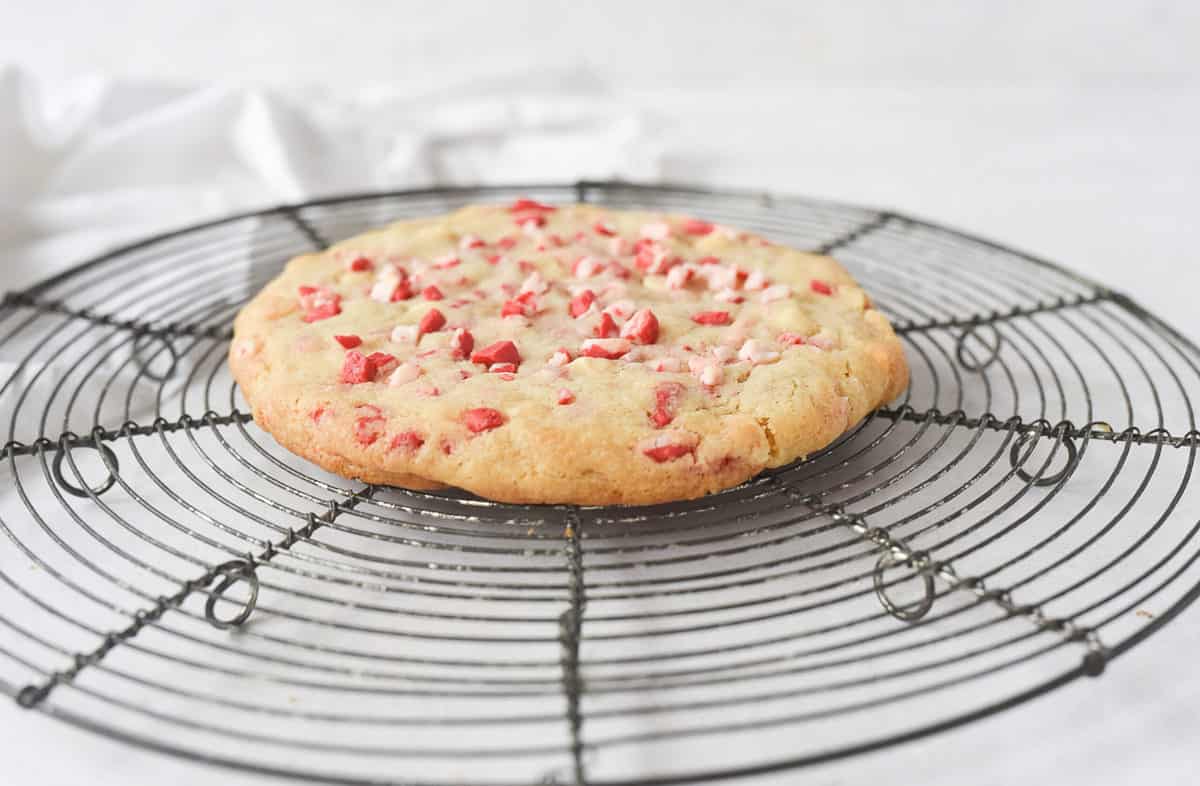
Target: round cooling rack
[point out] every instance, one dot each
(172, 578)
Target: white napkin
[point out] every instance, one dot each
(88, 165)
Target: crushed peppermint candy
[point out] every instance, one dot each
(432, 322)
(580, 304)
(669, 446)
(359, 265)
(534, 284)
(711, 375)
(389, 290)
(711, 318)
(565, 396)
(606, 348)
(621, 309)
(586, 267)
(461, 344)
(407, 441)
(606, 327)
(368, 428)
(696, 227)
(358, 368)
(753, 351)
(666, 403)
(499, 352)
(820, 287)
(405, 373)
(642, 327)
(679, 276)
(775, 292)
(348, 342)
(755, 280)
(482, 419)
(431, 292)
(405, 334)
(319, 303)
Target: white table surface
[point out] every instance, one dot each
(1071, 132)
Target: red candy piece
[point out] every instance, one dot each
(408, 441)
(431, 292)
(360, 265)
(642, 327)
(666, 403)
(499, 352)
(382, 361)
(602, 228)
(461, 344)
(618, 270)
(694, 226)
(667, 452)
(403, 291)
(432, 322)
(323, 311)
(790, 339)
(319, 303)
(348, 342)
(606, 327)
(605, 348)
(515, 307)
(369, 428)
(581, 302)
(530, 206)
(644, 251)
(482, 419)
(357, 368)
(820, 287)
(502, 368)
(506, 242)
(711, 318)
(565, 396)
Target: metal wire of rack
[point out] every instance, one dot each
(172, 578)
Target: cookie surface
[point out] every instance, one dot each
(528, 353)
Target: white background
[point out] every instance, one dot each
(1071, 130)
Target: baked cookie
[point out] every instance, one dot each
(529, 353)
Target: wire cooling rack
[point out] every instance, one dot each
(170, 577)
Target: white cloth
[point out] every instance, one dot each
(96, 162)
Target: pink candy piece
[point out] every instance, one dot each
(606, 348)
